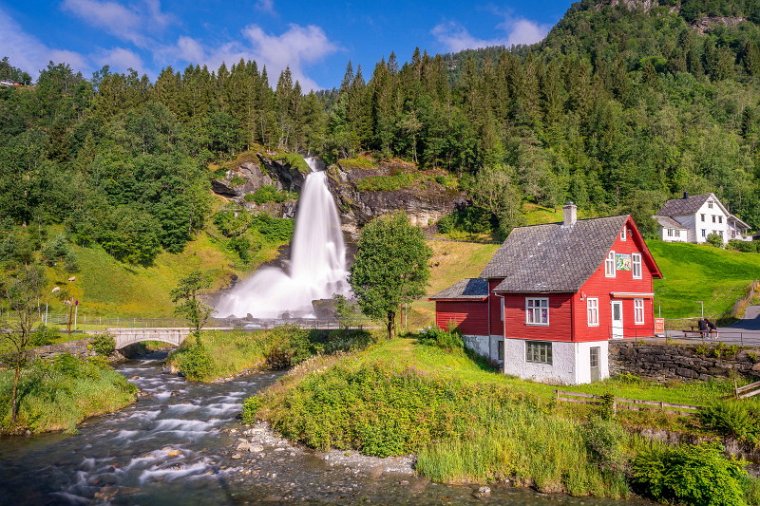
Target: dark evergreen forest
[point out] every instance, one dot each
(618, 109)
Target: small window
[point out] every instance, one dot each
(538, 352)
(670, 232)
(713, 218)
(592, 312)
(609, 265)
(624, 234)
(636, 265)
(500, 351)
(703, 216)
(704, 233)
(720, 219)
(710, 205)
(536, 311)
(638, 311)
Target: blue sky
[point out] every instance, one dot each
(315, 38)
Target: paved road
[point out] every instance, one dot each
(744, 332)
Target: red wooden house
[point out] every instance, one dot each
(553, 295)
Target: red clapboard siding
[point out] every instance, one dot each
(560, 318)
(470, 317)
(600, 287)
(494, 302)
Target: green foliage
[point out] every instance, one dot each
(273, 229)
(732, 418)
(294, 160)
(269, 193)
(688, 474)
(44, 336)
(390, 267)
(251, 406)
(104, 344)
(58, 394)
(288, 345)
(715, 239)
(605, 443)
(357, 162)
(469, 219)
(448, 341)
(188, 303)
(194, 361)
(390, 183)
(743, 246)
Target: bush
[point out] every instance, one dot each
(743, 246)
(714, 239)
(103, 344)
(269, 193)
(44, 336)
(605, 443)
(250, 407)
(689, 474)
(288, 346)
(194, 361)
(358, 162)
(389, 183)
(232, 221)
(468, 219)
(449, 341)
(733, 419)
(273, 229)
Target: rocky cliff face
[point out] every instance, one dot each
(393, 185)
(704, 25)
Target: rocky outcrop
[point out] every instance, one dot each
(425, 201)
(662, 361)
(707, 23)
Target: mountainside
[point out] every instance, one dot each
(625, 104)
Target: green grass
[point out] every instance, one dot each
(59, 394)
(390, 183)
(357, 162)
(699, 272)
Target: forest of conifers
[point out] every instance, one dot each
(618, 109)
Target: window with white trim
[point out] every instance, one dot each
(538, 352)
(609, 265)
(638, 311)
(702, 216)
(636, 265)
(710, 205)
(720, 219)
(536, 311)
(592, 312)
(704, 233)
(624, 234)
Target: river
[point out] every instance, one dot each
(183, 444)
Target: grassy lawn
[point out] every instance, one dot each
(695, 272)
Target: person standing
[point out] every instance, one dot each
(703, 327)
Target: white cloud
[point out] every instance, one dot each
(28, 53)
(455, 37)
(265, 6)
(132, 24)
(120, 59)
(297, 47)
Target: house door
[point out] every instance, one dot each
(594, 358)
(617, 319)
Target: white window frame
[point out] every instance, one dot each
(609, 265)
(533, 309)
(704, 232)
(592, 311)
(710, 205)
(638, 311)
(702, 215)
(636, 265)
(539, 352)
(624, 234)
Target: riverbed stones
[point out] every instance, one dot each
(482, 492)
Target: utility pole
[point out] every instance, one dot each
(702, 305)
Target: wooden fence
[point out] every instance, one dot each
(747, 391)
(629, 404)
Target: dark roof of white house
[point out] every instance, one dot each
(553, 258)
(468, 288)
(684, 206)
(668, 222)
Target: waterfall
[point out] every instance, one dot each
(317, 262)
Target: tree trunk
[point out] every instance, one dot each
(14, 393)
(391, 324)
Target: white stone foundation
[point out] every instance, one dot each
(485, 346)
(571, 362)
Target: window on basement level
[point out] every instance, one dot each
(638, 311)
(592, 312)
(536, 311)
(500, 351)
(609, 265)
(636, 265)
(538, 352)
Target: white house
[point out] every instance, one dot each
(694, 218)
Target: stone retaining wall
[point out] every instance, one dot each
(659, 360)
(79, 348)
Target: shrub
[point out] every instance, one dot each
(689, 474)
(358, 162)
(605, 442)
(242, 246)
(44, 336)
(103, 344)
(449, 341)
(714, 239)
(273, 229)
(194, 361)
(269, 193)
(288, 346)
(294, 160)
(469, 219)
(743, 246)
(232, 221)
(250, 407)
(732, 418)
(389, 183)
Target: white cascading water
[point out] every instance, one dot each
(317, 262)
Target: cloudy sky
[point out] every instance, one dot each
(315, 38)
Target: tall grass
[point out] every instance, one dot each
(60, 393)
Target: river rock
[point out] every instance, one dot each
(236, 456)
(482, 492)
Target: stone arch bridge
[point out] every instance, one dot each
(171, 335)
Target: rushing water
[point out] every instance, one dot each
(178, 446)
(317, 263)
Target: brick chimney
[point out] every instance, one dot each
(570, 212)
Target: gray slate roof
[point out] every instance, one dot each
(468, 288)
(684, 207)
(553, 258)
(668, 222)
